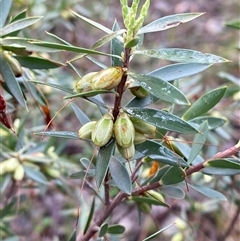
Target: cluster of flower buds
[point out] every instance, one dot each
(13, 166)
(127, 130)
(105, 79)
(13, 63)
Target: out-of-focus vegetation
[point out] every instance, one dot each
(44, 205)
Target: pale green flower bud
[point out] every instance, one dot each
(18, 174)
(103, 130)
(85, 132)
(14, 64)
(127, 152)
(107, 79)
(139, 92)
(124, 131)
(84, 84)
(142, 126)
(139, 138)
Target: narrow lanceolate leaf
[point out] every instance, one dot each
(224, 163)
(69, 48)
(158, 152)
(37, 63)
(168, 22)
(178, 71)
(161, 89)
(103, 160)
(10, 81)
(5, 6)
(208, 192)
(204, 103)
(35, 175)
(142, 102)
(173, 191)
(90, 216)
(182, 55)
(172, 176)
(213, 122)
(93, 23)
(82, 117)
(157, 233)
(198, 142)
(18, 25)
(162, 120)
(59, 134)
(116, 47)
(88, 94)
(120, 176)
(24, 42)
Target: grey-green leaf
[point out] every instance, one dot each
(177, 71)
(172, 176)
(168, 22)
(59, 134)
(18, 25)
(224, 163)
(35, 175)
(142, 102)
(198, 142)
(213, 122)
(205, 103)
(182, 55)
(5, 6)
(208, 192)
(162, 120)
(103, 229)
(161, 89)
(158, 232)
(120, 176)
(10, 81)
(158, 152)
(90, 216)
(116, 229)
(80, 115)
(102, 163)
(173, 191)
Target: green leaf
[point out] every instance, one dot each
(116, 47)
(5, 6)
(208, 192)
(158, 232)
(59, 134)
(69, 48)
(120, 176)
(162, 120)
(116, 229)
(158, 152)
(59, 87)
(172, 176)
(35, 175)
(173, 191)
(24, 42)
(149, 200)
(178, 71)
(213, 122)
(198, 141)
(10, 81)
(234, 24)
(18, 25)
(182, 55)
(83, 119)
(204, 103)
(103, 230)
(224, 163)
(38, 63)
(220, 171)
(168, 22)
(160, 88)
(102, 163)
(73, 236)
(90, 216)
(88, 94)
(82, 174)
(93, 23)
(142, 102)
